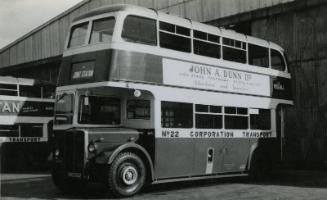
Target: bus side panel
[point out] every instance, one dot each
(174, 157)
(236, 153)
(202, 161)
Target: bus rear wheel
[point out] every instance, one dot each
(127, 175)
(260, 167)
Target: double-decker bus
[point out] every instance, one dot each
(26, 115)
(146, 97)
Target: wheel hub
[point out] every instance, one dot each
(129, 175)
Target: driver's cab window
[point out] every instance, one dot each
(138, 109)
(99, 110)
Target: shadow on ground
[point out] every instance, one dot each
(43, 187)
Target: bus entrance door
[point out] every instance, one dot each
(208, 156)
(235, 154)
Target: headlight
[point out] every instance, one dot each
(92, 147)
(56, 152)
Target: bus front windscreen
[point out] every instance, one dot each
(64, 109)
(99, 110)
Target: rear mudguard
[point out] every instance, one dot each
(253, 148)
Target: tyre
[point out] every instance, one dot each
(126, 175)
(260, 167)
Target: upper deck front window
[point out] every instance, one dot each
(78, 35)
(102, 30)
(140, 30)
(277, 60)
(258, 56)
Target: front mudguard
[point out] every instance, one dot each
(105, 158)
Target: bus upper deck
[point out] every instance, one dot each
(130, 43)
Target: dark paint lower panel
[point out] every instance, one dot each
(186, 157)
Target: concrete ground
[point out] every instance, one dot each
(281, 185)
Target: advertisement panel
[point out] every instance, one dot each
(26, 108)
(200, 76)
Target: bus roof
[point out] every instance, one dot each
(151, 13)
(23, 81)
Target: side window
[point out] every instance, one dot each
(8, 89)
(236, 118)
(174, 37)
(258, 56)
(234, 50)
(206, 44)
(138, 109)
(140, 30)
(48, 91)
(102, 30)
(208, 116)
(260, 120)
(31, 130)
(30, 91)
(277, 60)
(78, 35)
(9, 130)
(176, 115)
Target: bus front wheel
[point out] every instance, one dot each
(127, 175)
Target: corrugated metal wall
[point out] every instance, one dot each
(48, 40)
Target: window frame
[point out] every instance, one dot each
(198, 113)
(71, 117)
(87, 35)
(138, 118)
(8, 89)
(92, 26)
(22, 88)
(236, 114)
(78, 113)
(257, 115)
(283, 59)
(175, 34)
(258, 46)
(142, 17)
(244, 48)
(163, 115)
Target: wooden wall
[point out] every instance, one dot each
(303, 34)
(48, 39)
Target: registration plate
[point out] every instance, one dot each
(75, 175)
